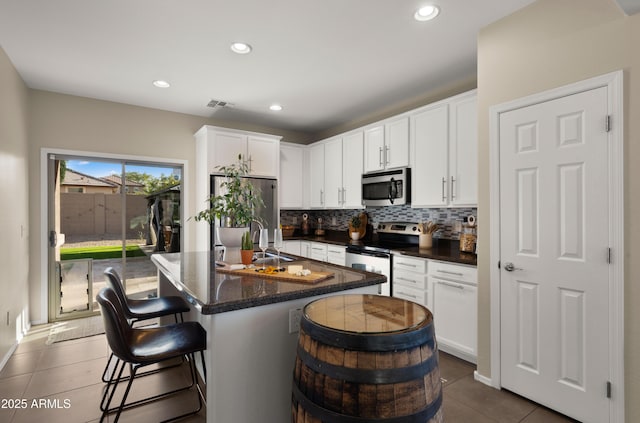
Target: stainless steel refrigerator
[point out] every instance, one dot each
(268, 214)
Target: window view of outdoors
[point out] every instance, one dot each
(110, 221)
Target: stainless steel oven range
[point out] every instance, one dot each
(375, 256)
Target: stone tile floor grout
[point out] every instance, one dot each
(71, 371)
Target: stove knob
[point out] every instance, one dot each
(414, 229)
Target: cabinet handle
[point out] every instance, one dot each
(444, 181)
(387, 154)
(321, 197)
(344, 196)
(407, 280)
(380, 156)
(446, 272)
(453, 191)
(451, 285)
(408, 295)
(250, 160)
(406, 264)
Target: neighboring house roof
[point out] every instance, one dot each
(72, 177)
(115, 179)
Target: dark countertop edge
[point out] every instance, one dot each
(279, 298)
(205, 308)
(449, 253)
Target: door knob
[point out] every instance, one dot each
(509, 267)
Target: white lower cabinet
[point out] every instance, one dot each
(318, 251)
(292, 247)
(305, 249)
(410, 279)
(455, 308)
(336, 254)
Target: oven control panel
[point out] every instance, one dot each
(399, 228)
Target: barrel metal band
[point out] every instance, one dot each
(370, 342)
(326, 415)
(372, 376)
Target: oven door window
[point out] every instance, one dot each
(382, 190)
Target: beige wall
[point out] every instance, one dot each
(549, 44)
(14, 224)
(58, 121)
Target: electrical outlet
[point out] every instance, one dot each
(457, 226)
(334, 221)
(295, 314)
(295, 220)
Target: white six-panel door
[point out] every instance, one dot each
(554, 254)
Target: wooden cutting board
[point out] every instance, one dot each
(313, 277)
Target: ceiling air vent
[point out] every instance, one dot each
(218, 104)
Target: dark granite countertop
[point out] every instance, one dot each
(442, 249)
(214, 292)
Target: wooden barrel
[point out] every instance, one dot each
(366, 358)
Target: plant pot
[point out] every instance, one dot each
(231, 238)
(355, 236)
(425, 240)
(246, 256)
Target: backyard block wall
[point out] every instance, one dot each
(100, 215)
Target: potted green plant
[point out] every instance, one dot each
(354, 226)
(246, 249)
(233, 208)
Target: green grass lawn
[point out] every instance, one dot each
(98, 253)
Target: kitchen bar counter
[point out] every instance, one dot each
(443, 249)
(252, 330)
(214, 292)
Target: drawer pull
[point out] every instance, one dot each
(406, 264)
(406, 280)
(446, 272)
(452, 285)
(408, 295)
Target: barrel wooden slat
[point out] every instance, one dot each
(358, 365)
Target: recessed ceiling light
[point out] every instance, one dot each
(241, 48)
(275, 107)
(161, 84)
(426, 13)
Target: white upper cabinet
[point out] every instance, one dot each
(352, 168)
(222, 146)
(333, 173)
(429, 153)
(336, 172)
(387, 146)
(316, 176)
(463, 150)
(291, 182)
(444, 153)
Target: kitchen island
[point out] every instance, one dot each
(251, 347)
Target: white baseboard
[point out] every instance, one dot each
(8, 355)
(482, 379)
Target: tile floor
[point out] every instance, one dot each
(70, 372)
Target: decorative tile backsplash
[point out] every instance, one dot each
(445, 217)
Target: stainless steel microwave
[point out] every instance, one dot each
(388, 188)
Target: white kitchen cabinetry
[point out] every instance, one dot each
(386, 146)
(444, 153)
(305, 249)
(291, 181)
(410, 279)
(318, 251)
(316, 176)
(352, 169)
(333, 173)
(336, 254)
(217, 146)
(222, 146)
(454, 307)
(291, 247)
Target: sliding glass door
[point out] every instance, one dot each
(107, 213)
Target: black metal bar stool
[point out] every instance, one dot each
(139, 310)
(140, 347)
